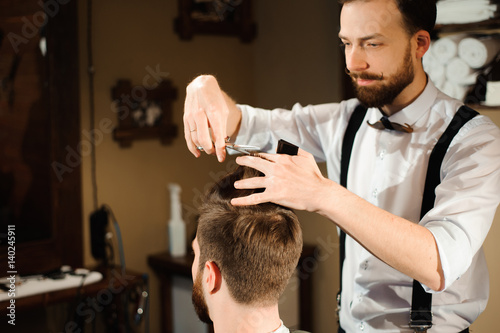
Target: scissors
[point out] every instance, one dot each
(243, 149)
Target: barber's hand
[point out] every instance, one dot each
(205, 117)
(292, 181)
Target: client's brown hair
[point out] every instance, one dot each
(255, 247)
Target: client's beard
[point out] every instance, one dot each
(199, 303)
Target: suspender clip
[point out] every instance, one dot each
(420, 321)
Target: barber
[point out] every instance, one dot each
(388, 244)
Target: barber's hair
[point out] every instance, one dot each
(255, 247)
(417, 14)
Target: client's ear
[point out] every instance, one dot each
(213, 277)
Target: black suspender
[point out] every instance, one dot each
(350, 133)
(420, 315)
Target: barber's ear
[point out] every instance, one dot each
(213, 277)
(423, 39)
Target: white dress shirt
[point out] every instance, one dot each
(388, 169)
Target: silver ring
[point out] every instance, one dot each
(192, 130)
(200, 148)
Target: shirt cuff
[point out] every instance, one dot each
(454, 251)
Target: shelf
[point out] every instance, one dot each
(479, 107)
(487, 27)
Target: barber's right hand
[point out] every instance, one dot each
(205, 117)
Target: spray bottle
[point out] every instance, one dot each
(176, 226)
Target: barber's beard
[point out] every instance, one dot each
(387, 89)
(199, 303)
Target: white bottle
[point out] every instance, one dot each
(176, 226)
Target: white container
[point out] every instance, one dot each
(176, 226)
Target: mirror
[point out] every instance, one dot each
(40, 199)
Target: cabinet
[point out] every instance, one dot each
(112, 296)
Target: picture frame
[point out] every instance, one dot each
(144, 112)
(215, 17)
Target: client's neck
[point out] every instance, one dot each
(245, 319)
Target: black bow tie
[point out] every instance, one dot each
(384, 123)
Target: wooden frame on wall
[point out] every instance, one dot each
(215, 17)
(144, 113)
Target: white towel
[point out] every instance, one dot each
(435, 69)
(455, 90)
(478, 53)
(492, 93)
(458, 72)
(464, 11)
(446, 48)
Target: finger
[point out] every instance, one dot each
(202, 135)
(220, 149)
(219, 144)
(250, 183)
(256, 162)
(189, 123)
(304, 153)
(189, 140)
(275, 158)
(217, 123)
(216, 120)
(252, 199)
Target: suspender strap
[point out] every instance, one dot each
(432, 180)
(421, 315)
(350, 133)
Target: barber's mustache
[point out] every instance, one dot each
(364, 76)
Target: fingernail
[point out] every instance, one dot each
(220, 156)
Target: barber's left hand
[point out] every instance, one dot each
(292, 181)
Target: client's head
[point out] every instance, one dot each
(254, 249)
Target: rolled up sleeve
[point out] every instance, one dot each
(467, 198)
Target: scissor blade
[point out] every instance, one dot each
(239, 149)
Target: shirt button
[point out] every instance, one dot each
(382, 154)
(375, 193)
(361, 326)
(364, 265)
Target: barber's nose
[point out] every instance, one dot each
(355, 59)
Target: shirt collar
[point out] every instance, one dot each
(418, 108)
(281, 329)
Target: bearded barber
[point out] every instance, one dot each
(389, 246)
